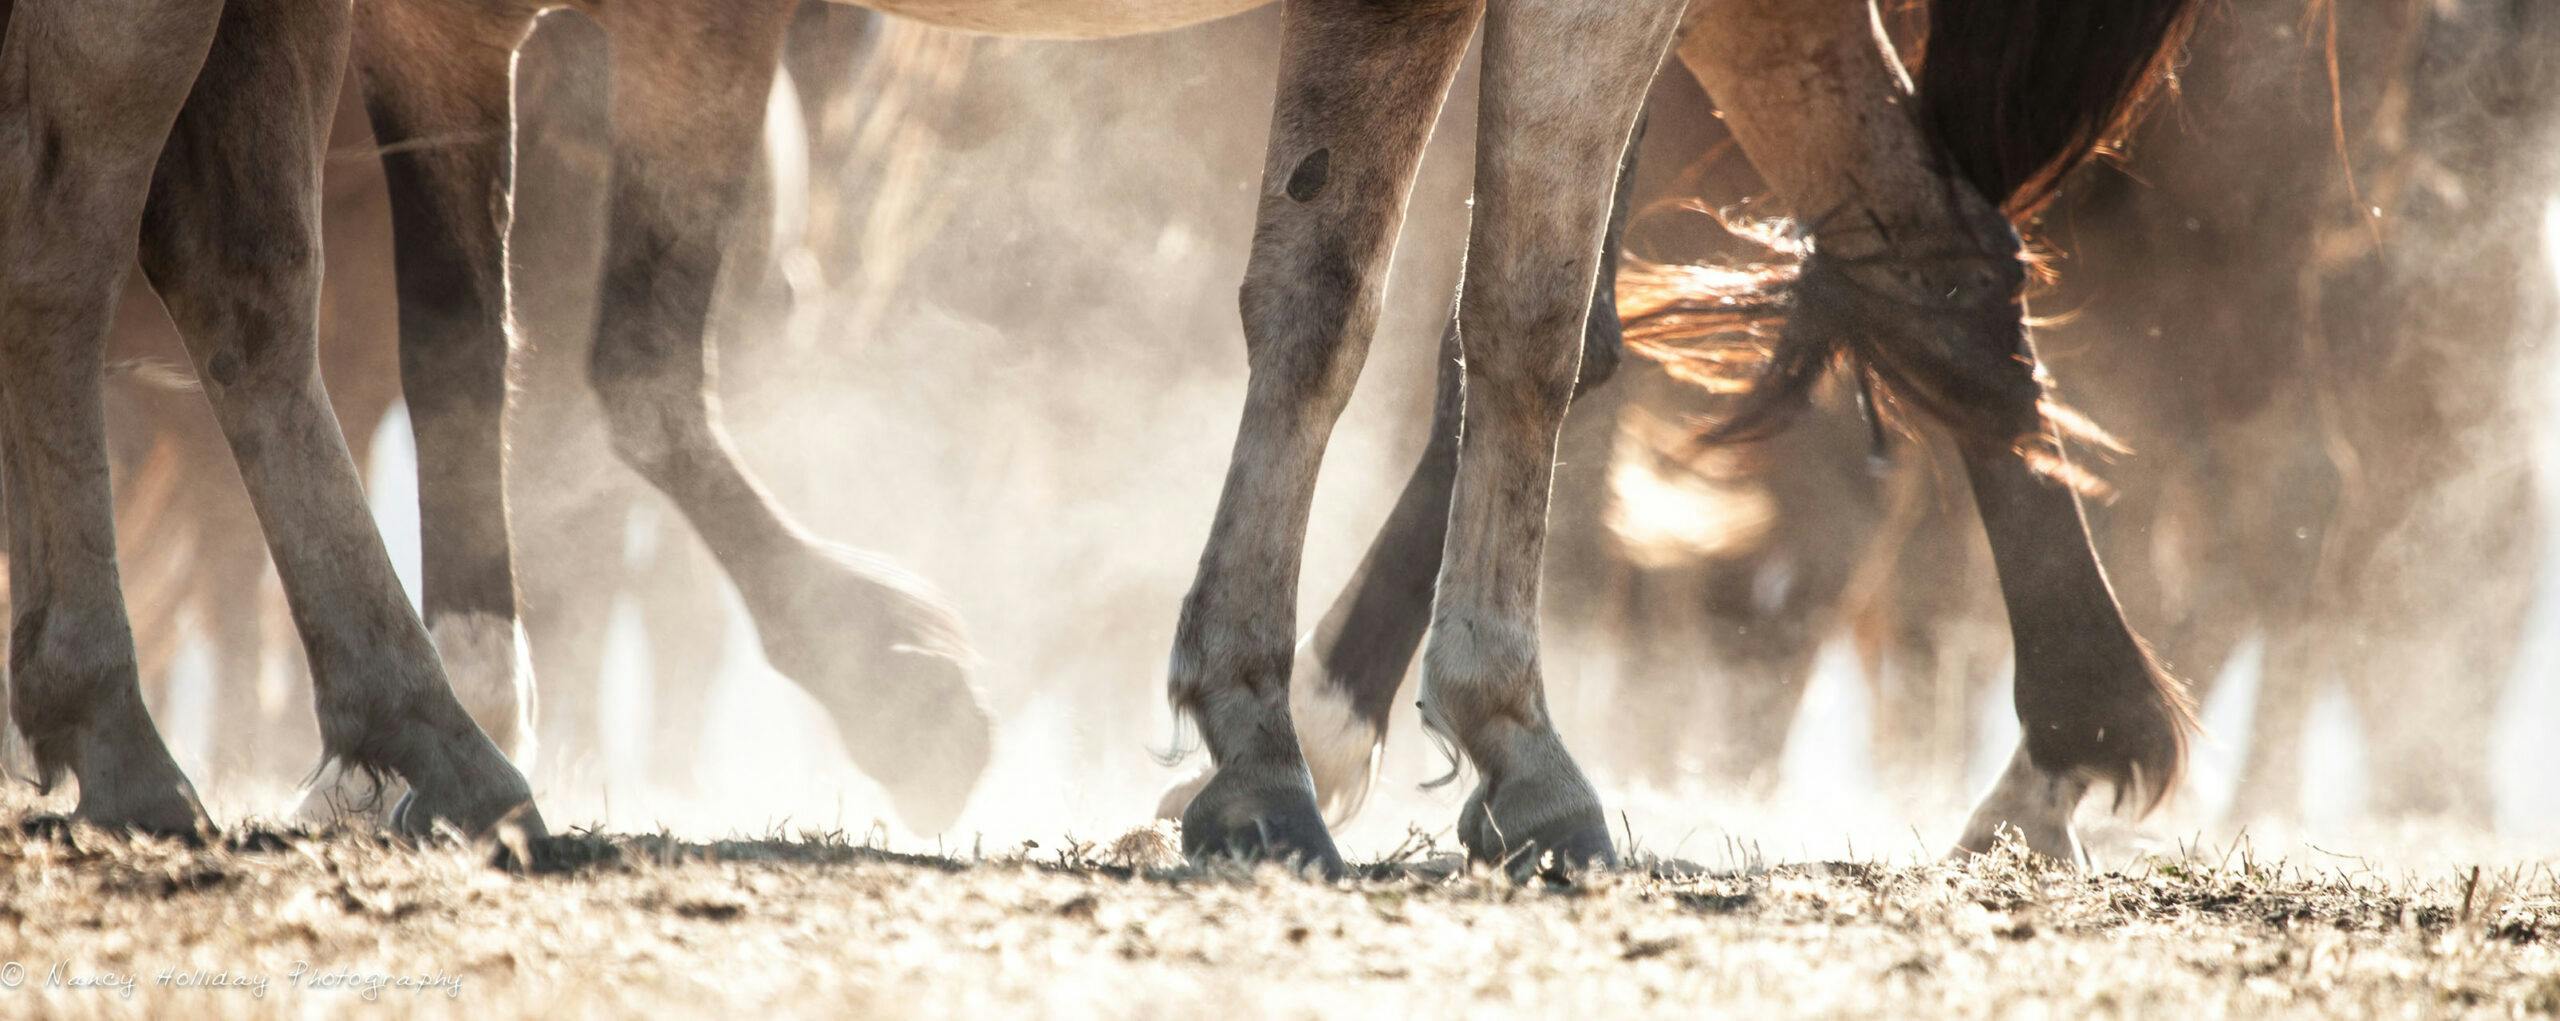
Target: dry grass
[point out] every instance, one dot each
(818, 924)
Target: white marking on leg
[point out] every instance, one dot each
(491, 668)
(2036, 804)
(1342, 748)
(340, 793)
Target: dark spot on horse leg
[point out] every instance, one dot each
(224, 368)
(48, 152)
(1306, 182)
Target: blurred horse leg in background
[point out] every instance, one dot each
(871, 643)
(2438, 546)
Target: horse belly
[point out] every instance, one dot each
(1061, 19)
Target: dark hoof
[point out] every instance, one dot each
(48, 828)
(51, 828)
(1537, 827)
(1253, 812)
(463, 785)
(259, 841)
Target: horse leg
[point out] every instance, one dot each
(2092, 704)
(685, 645)
(1347, 671)
(436, 80)
(1562, 85)
(867, 641)
(234, 625)
(2298, 665)
(231, 241)
(1814, 96)
(93, 87)
(1359, 87)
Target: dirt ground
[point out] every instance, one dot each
(825, 925)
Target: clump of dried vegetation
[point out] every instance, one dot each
(832, 924)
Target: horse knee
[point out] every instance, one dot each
(1307, 319)
(1523, 355)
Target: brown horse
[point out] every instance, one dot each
(1810, 92)
(2257, 501)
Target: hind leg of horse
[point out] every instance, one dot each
(1349, 668)
(1809, 90)
(440, 72)
(93, 88)
(867, 641)
(1359, 88)
(2427, 683)
(1562, 84)
(2092, 704)
(234, 625)
(231, 241)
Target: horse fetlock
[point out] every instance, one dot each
(1235, 689)
(1479, 674)
(1338, 742)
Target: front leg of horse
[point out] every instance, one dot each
(1360, 85)
(1562, 83)
(90, 102)
(1349, 668)
(231, 241)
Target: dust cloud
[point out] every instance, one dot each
(992, 336)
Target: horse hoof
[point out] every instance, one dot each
(463, 783)
(2032, 805)
(1259, 812)
(888, 663)
(128, 783)
(928, 744)
(1536, 816)
(62, 830)
(48, 828)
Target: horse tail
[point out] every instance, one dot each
(2021, 92)
(2015, 94)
